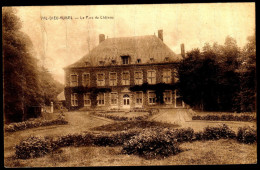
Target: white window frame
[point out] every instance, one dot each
(150, 79)
(164, 97)
(98, 100)
(85, 99)
(84, 83)
(74, 99)
(136, 99)
(112, 82)
(153, 103)
(138, 80)
(116, 98)
(77, 81)
(125, 82)
(101, 82)
(167, 79)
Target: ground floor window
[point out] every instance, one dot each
(151, 97)
(74, 99)
(139, 97)
(87, 101)
(101, 99)
(113, 98)
(167, 96)
(178, 99)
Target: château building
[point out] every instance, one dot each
(124, 73)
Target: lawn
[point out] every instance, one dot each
(224, 151)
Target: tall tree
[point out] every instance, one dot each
(21, 87)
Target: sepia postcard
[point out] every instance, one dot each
(129, 85)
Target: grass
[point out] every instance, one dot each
(196, 153)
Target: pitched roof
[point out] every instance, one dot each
(137, 47)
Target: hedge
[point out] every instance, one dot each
(13, 127)
(246, 135)
(224, 118)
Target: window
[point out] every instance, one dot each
(113, 61)
(100, 79)
(101, 99)
(87, 101)
(73, 80)
(125, 59)
(74, 99)
(166, 76)
(175, 72)
(112, 79)
(151, 60)
(151, 97)
(138, 61)
(86, 79)
(167, 96)
(151, 76)
(138, 77)
(113, 98)
(101, 63)
(139, 97)
(166, 59)
(125, 78)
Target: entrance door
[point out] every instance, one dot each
(126, 101)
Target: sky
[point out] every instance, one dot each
(59, 43)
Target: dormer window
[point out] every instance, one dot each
(166, 59)
(151, 60)
(125, 59)
(113, 61)
(138, 60)
(87, 63)
(101, 63)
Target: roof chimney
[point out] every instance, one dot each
(160, 34)
(182, 51)
(101, 37)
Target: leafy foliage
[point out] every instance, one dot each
(221, 77)
(246, 135)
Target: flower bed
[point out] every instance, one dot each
(229, 117)
(122, 117)
(13, 127)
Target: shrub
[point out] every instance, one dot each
(33, 147)
(214, 133)
(224, 118)
(246, 135)
(150, 144)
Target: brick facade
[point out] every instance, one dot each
(120, 89)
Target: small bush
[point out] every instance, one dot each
(246, 135)
(33, 147)
(214, 133)
(151, 144)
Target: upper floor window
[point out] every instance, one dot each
(126, 78)
(167, 76)
(138, 60)
(138, 77)
(100, 79)
(125, 59)
(74, 99)
(112, 79)
(86, 79)
(113, 61)
(151, 76)
(73, 80)
(87, 101)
